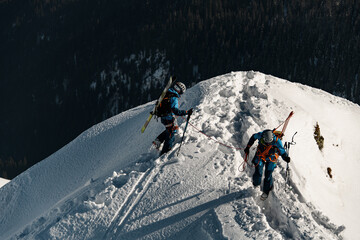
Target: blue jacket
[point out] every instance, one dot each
(273, 153)
(174, 103)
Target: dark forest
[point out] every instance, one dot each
(66, 65)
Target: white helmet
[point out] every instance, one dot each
(180, 87)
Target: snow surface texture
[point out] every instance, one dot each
(110, 184)
(3, 181)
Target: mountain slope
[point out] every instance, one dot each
(108, 183)
(3, 181)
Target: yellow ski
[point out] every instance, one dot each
(157, 104)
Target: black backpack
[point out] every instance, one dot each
(164, 108)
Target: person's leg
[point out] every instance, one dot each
(165, 134)
(169, 140)
(268, 180)
(259, 165)
(162, 136)
(159, 140)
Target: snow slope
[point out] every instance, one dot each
(3, 181)
(109, 183)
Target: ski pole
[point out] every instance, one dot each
(182, 139)
(287, 173)
(287, 178)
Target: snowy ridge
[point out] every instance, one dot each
(109, 183)
(3, 181)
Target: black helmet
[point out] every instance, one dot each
(267, 136)
(180, 87)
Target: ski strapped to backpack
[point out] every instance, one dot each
(280, 134)
(157, 104)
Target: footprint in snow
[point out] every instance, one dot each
(120, 180)
(226, 93)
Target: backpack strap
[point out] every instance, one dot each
(263, 154)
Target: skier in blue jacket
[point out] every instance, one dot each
(170, 107)
(269, 149)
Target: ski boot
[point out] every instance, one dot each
(157, 144)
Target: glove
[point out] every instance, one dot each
(246, 150)
(190, 111)
(286, 159)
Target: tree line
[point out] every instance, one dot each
(54, 50)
